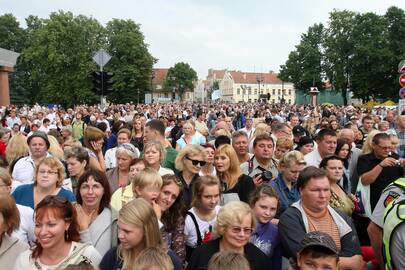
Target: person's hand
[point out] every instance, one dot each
(275, 221)
(96, 146)
(388, 162)
(83, 218)
(402, 161)
(257, 180)
(157, 209)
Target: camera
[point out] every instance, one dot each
(266, 176)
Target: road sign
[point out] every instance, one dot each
(402, 79)
(101, 57)
(402, 93)
(401, 66)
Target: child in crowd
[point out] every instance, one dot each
(264, 203)
(153, 258)
(147, 185)
(202, 216)
(228, 260)
(318, 251)
(124, 194)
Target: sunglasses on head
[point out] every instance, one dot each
(195, 162)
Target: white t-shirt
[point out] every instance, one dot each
(190, 231)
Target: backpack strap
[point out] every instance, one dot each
(197, 228)
(250, 165)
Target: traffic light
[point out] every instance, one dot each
(102, 82)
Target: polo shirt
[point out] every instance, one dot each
(366, 163)
(170, 157)
(287, 196)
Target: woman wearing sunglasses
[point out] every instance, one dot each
(57, 233)
(234, 225)
(49, 177)
(189, 162)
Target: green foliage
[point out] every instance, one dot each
(304, 64)
(131, 61)
(56, 58)
(356, 51)
(183, 77)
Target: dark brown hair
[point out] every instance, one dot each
(310, 172)
(174, 215)
(10, 213)
(99, 177)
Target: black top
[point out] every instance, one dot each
(111, 261)
(187, 189)
(243, 188)
(366, 163)
(256, 258)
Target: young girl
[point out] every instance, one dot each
(147, 185)
(202, 216)
(264, 203)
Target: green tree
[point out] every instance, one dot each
(304, 65)
(339, 50)
(183, 77)
(131, 61)
(369, 64)
(12, 35)
(57, 59)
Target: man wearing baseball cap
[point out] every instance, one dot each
(318, 251)
(24, 169)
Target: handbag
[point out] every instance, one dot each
(362, 204)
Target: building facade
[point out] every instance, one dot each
(160, 93)
(237, 86)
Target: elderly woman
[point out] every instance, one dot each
(96, 222)
(154, 154)
(58, 237)
(49, 177)
(189, 162)
(119, 176)
(235, 223)
(93, 140)
(77, 159)
(190, 136)
(10, 246)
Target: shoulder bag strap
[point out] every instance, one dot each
(197, 228)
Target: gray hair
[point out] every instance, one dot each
(128, 149)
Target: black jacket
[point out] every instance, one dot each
(256, 258)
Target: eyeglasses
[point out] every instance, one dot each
(386, 148)
(43, 172)
(238, 230)
(196, 162)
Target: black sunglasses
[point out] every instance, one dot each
(195, 162)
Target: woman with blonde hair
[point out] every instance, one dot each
(55, 149)
(235, 184)
(17, 147)
(367, 146)
(48, 180)
(138, 229)
(190, 136)
(93, 140)
(189, 162)
(228, 260)
(154, 155)
(234, 226)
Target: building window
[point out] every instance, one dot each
(279, 91)
(283, 91)
(289, 92)
(249, 93)
(274, 91)
(244, 91)
(238, 91)
(255, 93)
(273, 101)
(289, 101)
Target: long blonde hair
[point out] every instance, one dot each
(17, 147)
(139, 213)
(234, 171)
(367, 146)
(54, 148)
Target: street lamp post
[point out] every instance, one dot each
(243, 92)
(138, 94)
(259, 79)
(151, 84)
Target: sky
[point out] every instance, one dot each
(249, 35)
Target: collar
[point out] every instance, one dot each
(257, 165)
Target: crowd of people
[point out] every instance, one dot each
(202, 186)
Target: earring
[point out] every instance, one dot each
(66, 235)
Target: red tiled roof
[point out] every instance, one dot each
(252, 77)
(160, 75)
(217, 74)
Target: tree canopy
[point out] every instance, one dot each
(181, 76)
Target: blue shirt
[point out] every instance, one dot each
(24, 195)
(287, 196)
